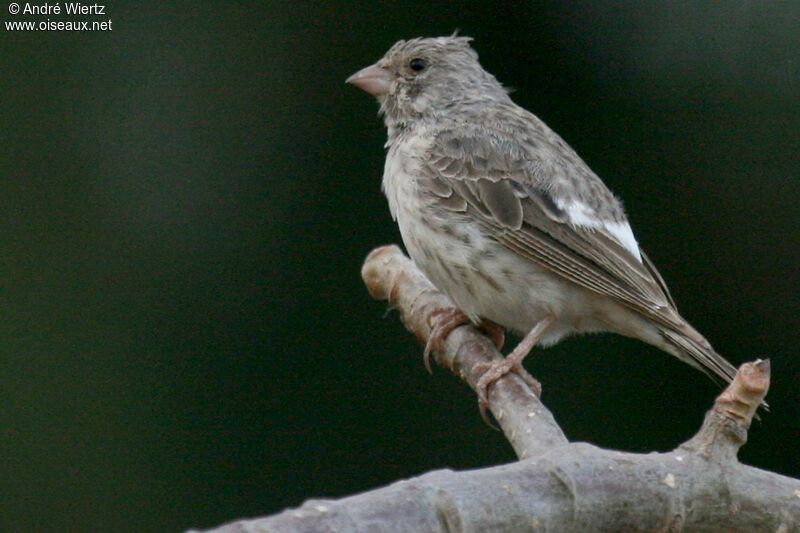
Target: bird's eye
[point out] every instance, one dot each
(418, 64)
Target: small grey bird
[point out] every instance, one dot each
(506, 219)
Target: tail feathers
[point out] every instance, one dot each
(694, 349)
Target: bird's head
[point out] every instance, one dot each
(425, 77)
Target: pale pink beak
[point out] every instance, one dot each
(374, 79)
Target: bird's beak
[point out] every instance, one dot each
(374, 79)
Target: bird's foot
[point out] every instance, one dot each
(447, 319)
(492, 371)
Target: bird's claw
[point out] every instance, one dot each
(447, 319)
(490, 372)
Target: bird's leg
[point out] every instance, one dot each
(447, 319)
(493, 371)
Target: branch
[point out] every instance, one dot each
(561, 486)
(527, 424)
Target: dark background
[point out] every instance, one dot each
(186, 202)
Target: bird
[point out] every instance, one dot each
(505, 218)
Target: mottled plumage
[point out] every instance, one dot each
(504, 217)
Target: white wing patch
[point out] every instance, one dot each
(581, 214)
(624, 234)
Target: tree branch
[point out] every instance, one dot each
(526, 422)
(559, 486)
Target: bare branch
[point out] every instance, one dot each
(573, 488)
(724, 429)
(526, 422)
(561, 486)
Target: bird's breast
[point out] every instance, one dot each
(450, 248)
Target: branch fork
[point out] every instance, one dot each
(557, 485)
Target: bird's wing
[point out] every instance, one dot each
(539, 200)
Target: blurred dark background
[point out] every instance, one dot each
(186, 202)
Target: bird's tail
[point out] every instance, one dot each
(691, 347)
